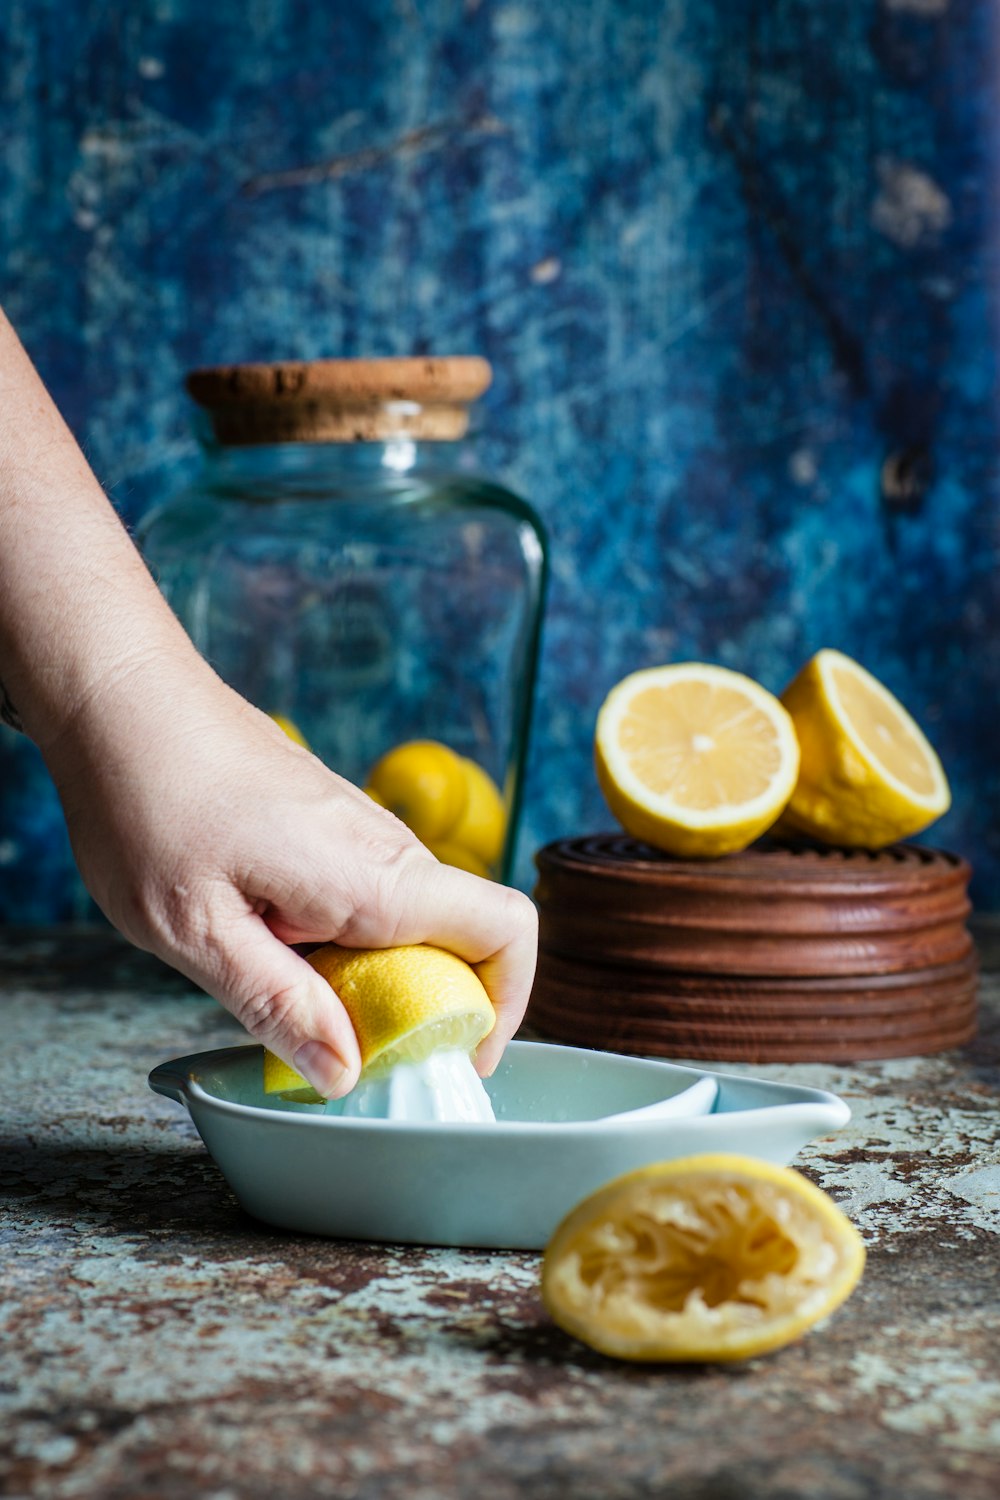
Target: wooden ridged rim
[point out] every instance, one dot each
(777, 911)
(772, 866)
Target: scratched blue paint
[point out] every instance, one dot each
(726, 259)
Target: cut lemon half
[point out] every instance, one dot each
(868, 775)
(695, 759)
(703, 1258)
(404, 1004)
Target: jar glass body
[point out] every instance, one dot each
(373, 593)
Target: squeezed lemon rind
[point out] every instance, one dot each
(727, 1345)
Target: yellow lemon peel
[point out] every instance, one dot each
(404, 1004)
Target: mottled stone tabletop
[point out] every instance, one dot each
(157, 1342)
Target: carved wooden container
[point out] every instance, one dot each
(782, 953)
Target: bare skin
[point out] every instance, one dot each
(204, 834)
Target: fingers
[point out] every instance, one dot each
(507, 977)
(494, 928)
(370, 884)
(282, 1002)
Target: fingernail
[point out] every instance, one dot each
(324, 1068)
(484, 1065)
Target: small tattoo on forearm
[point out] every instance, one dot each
(8, 713)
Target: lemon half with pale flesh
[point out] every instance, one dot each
(868, 776)
(695, 759)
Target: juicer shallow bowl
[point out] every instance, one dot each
(568, 1119)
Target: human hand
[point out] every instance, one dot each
(202, 831)
(210, 839)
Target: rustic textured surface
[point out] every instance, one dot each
(733, 262)
(158, 1343)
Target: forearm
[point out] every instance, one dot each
(78, 608)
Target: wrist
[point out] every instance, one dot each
(78, 608)
(75, 673)
(79, 611)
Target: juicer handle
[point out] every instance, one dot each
(171, 1080)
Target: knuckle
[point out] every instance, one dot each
(386, 856)
(166, 920)
(520, 913)
(268, 1014)
(399, 874)
(383, 914)
(395, 848)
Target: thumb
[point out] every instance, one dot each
(282, 1001)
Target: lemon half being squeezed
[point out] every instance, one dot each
(404, 1004)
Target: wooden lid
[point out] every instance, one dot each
(341, 400)
(781, 953)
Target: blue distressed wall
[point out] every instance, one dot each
(727, 258)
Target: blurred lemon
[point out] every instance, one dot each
(460, 857)
(450, 803)
(868, 776)
(404, 1004)
(481, 828)
(424, 784)
(703, 1258)
(695, 759)
(292, 730)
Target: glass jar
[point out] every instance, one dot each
(341, 567)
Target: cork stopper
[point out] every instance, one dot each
(340, 400)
